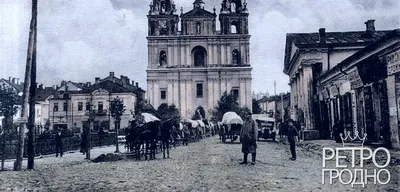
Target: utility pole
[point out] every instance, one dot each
(32, 93)
(274, 88)
(29, 70)
(283, 112)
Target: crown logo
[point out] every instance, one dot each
(356, 137)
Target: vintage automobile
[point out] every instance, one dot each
(266, 126)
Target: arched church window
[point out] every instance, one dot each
(234, 27)
(236, 57)
(199, 56)
(198, 28)
(163, 58)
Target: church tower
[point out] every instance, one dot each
(193, 67)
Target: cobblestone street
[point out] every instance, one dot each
(203, 166)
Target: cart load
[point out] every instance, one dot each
(232, 124)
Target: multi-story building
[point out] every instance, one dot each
(195, 66)
(307, 56)
(365, 89)
(70, 109)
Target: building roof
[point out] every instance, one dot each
(332, 39)
(107, 85)
(126, 84)
(362, 52)
(43, 94)
(335, 38)
(17, 87)
(196, 12)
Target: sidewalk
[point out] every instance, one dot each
(68, 157)
(316, 147)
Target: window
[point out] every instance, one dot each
(198, 28)
(235, 92)
(80, 106)
(163, 94)
(199, 55)
(65, 106)
(199, 90)
(55, 107)
(100, 106)
(163, 58)
(235, 57)
(234, 27)
(88, 106)
(186, 28)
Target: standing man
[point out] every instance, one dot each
(292, 135)
(248, 138)
(59, 148)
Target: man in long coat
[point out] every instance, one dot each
(59, 147)
(248, 138)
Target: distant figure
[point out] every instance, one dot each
(292, 135)
(59, 149)
(83, 141)
(281, 130)
(185, 135)
(337, 129)
(248, 138)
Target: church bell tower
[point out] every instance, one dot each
(162, 18)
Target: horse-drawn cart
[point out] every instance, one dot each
(231, 126)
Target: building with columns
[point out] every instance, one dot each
(309, 55)
(195, 65)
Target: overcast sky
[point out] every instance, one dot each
(79, 40)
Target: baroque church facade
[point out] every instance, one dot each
(192, 67)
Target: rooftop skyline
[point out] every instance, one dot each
(80, 40)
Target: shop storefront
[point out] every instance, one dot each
(371, 104)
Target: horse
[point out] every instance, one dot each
(166, 133)
(143, 135)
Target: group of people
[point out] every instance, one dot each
(249, 136)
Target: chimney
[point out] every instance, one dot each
(13, 80)
(137, 84)
(17, 81)
(111, 74)
(133, 82)
(97, 80)
(322, 35)
(9, 79)
(370, 26)
(88, 84)
(41, 86)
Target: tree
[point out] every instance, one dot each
(256, 107)
(8, 108)
(117, 109)
(166, 111)
(141, 106)
(228, 102)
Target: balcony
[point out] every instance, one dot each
(100, 112)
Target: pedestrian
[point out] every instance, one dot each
(280, 128)
(59, 149)
(83, 141)
(248, 138)
(337, 130)
(292, 135)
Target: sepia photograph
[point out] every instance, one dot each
(200, 95)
